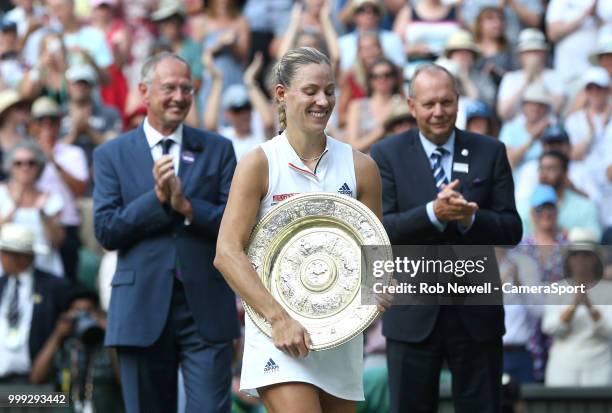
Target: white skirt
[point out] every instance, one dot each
(337, 371)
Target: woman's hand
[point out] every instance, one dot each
(251, 72)
(290, 337)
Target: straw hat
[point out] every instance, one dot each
(167, 9)
(582, 239)
(537, 93)
(461, 40)
(357, 4)
(399, 112)
(44, 106)
(8, 99)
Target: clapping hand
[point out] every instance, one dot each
(450, 205)
(251, 72)
(163, 173)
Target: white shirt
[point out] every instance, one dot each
(572, 52)
(72, 159)
(14, 348)
(154, 137)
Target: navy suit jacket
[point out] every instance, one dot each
(151, 238)
(50, 295)
(408, 185)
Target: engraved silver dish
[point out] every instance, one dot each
(307, 252)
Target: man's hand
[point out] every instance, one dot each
(64, 326)
(163, 173)
(450, 205)
(290, 337)
(177, 199)
(385, 300)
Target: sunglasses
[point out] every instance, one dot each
(367, 9)
(540, 209)
(385, 75)
(30, 163)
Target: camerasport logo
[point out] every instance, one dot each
(271, 367)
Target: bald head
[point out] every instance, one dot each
(434, 102)
(432, 70)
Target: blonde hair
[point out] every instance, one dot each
(285, 69)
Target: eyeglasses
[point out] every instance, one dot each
(384, 75)
(171, 89)
(30, 163)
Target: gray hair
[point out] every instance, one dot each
(32, 147)
(285, 69)
(432, 68)
(149, 66)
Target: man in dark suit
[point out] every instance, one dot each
(30, 303)
(442, 185)
(169, 305)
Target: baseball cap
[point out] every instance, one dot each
(82, 72)
(478, 109)
(6, 25)
(543, 194)
(235, 96)
(554, 133)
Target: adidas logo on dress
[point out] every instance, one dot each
(271, 366)
(345, 190)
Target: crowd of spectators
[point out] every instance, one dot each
(535, 74)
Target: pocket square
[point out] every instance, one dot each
(477, 182)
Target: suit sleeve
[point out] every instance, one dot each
(116, 224)
(499, 224)
(405, 225)
(207, 215)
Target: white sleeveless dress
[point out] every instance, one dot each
(338, 371)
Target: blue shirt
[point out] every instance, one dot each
(447, 163)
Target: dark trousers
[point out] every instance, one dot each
(518, 363)
(476, 368)
(70, 252)
(149, 374)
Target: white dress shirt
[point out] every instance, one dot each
(14, 348)
(154, 138)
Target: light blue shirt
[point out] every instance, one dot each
(447, 163)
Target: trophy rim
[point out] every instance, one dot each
(383, 239)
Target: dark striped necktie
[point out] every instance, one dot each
(13, 310)
(438, 172)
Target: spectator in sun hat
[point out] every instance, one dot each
(30, 303)
(602, 55)
(399, 120)
(65, 173)
(14, 116)
(462, 50)
(245, 107)
(575, 209)
(169, 19)
(522, 134)
(533, 53)
(587, 126)
(87, 123)
(12, 68)
(581, 323)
